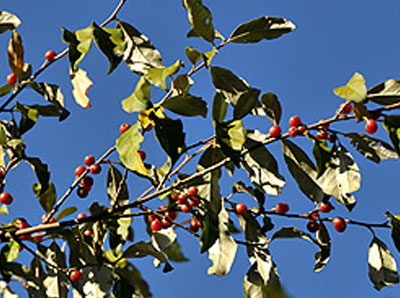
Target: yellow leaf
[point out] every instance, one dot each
(355, 90)
(81, 84)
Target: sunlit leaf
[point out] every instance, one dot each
(8, 21)
(385, 93)
(47, 199)
(355, 90)
(79, 44)
(392, 125)
(15, 53)
(193, 55)
(140, 99)
(66, 212)
(231, 137)
(56, 282)
(208, 57)
(322, 256)
(158, 76)
(81, 84)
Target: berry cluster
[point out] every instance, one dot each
(297, 128)
(313, 226)
(87, 182)
(157, 223)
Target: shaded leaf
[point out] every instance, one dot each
(143, 249)
(322, 256)
(261, 28)
(219, 107)
(246, 102)
(56, 282)
(188, 105)
(81, 84)
(182, 84)
(139, 54)
(382, 266)
(270, 107)
(140, 99)
(174, 252)
(66, 212)
(4, 90)
(79, 44)
(193, 55)
(231, 137)
(385, 93)
(392, 125)
(209, 231)
(8, 21)
(395, 226)
(51, 93)
(322, 155)
(158, 76)
(372, 148)
(117, 192)
(225, 80)
(131, 275)
(240, 187)
(47, 199)
(200, 19)
(208, 57)
(291, 232)
(355, 90)
(41, 171)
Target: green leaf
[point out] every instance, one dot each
(127, 146)
(140, 99)
(66, 212)
(28, 117)
(219, 107)
(322, 155)
(200, 19)
(355, 90)
(303, 171)
(41, 171)
(131, 276)
(120, 231)
(47, 199)
(240, 187)
(262, 168)
(158, 76)
(208, 57)
(188, 105)
(225, 80)
(209, 231)
(395, 225)
(116, 190)
(4, 209)
(392, 125)
(174, 252)
(193, 55)
(231, 137)
(261, 28)
(171, 137)
(143, 249)
(140, 54)
(8, 21)
(385, 93)
(182, 84)
(79, 44)
(270, 107)
(291, 232)
(246, 102)
(110, 43)
(323, 240)
(56, 283)
(382, 266)
(372, 148)
(4, 90)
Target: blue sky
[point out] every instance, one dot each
(333, 40)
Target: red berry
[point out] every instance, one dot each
(241, 208)
(25, 237)
(95, 169)
(371, 126)
(347, 109)
(322, 135)
(11, 78)
(315, 215)
(174, 197)
(325, 207)
(313, 226)
(192, 191)
(87, 182)
(88, 233)
(170, 214)
(79, 171)
(81, 216)
(162, 207)
(294, 121)
(275, 131)
(293, 132)
(152, 217)
(332, 138)
(195, 224)
(339, 224)
(82, 192)
(124, 127)
(2, 173)
(142, 154)
(182, 198)
(75, 276)
(166, 223)
(301, 129)
(45, 216)
(282, 208)
(50, 54)
(194, 201)
(186, 208)
(6, 198)
(324, 126)
(21, 223)
(89, 160)
(149, 127)
(156, 225)
(37, 236)
(374, 114)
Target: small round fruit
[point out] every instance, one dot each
(149, 127)
(275, 131)
(347, 109)
(37, 236)
(82, 192)
(241, 209)
(25, 237)
(142, 154)
(170, 214)
(294, 121)
(45, 216)
(88, 233)
(301, 130)
(174, 197)
(282, 208)
(182, 198)
(186, 208)
(124, 127)
(50, 54)
(322, 135)
(339, 224)
(21, 223)
(89, 160)
(332, 138)
(95, 169)
(293, 132)
(81, 216)
(374, 114)
(6, 198)
(194, 201)
(152, 217)
(11, 78)
(87, 183)
(166, 223)
(192, 191)
(324, 126)
(156, 225)
(315, 215)
(313, 226)
(371, 126)
(79, 171)
(195, 224)
(325, 207)
(75, 276)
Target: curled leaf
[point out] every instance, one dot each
(81, 84)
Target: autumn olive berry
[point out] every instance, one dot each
(186, 208)
(374, 114)
(152, 217)
(332, 138)
(301, 130)
(170, 214)
(79, 171)
(194, 201)
(11, 78)
(314, 215)
(142, 154)
(325, 207)
(347, 108)
(45, 216)
(156, 225)
(192, 191)
(339, 224)
(37, 236)
(21, 223)
(124, 127)
(174, 197)
(313, 226)
(149, 127)
(89, 160)
(195, 224)
(182, 198)
(75, 276)
(371, 126)
(81, 216)
(95, 169)
(166, 223)
(275, 131)
(50, 54)
(241, 208)
(87, 182)
(294, 121)
(323, 126)
(88, 233)
(6, 198)
(293, 132)
(82, 192)
(25, 237)
(282, 208)
(322, 135)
